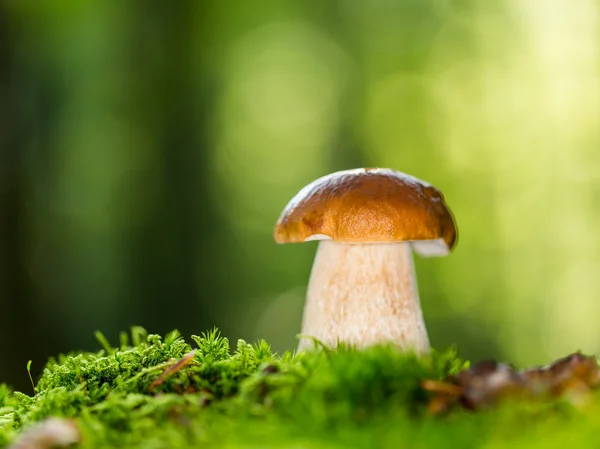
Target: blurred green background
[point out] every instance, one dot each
(147, 149)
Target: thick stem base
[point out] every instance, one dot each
(364, 294)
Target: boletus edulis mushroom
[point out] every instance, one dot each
(362, 288)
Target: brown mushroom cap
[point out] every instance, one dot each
(369, 206)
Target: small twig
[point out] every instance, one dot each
(177, 366)
(437, 386)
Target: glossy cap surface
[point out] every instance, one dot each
(369, 206)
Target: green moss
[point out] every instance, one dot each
(251, 398)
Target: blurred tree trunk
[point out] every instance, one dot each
(175, 244)
(14, 297)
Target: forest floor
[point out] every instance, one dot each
(155, 392)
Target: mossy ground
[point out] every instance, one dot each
(250, 398)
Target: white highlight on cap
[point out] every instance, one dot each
(430, 248)
(310, 238)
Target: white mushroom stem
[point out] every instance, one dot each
(364, 294)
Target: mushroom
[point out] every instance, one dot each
(362, 288)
